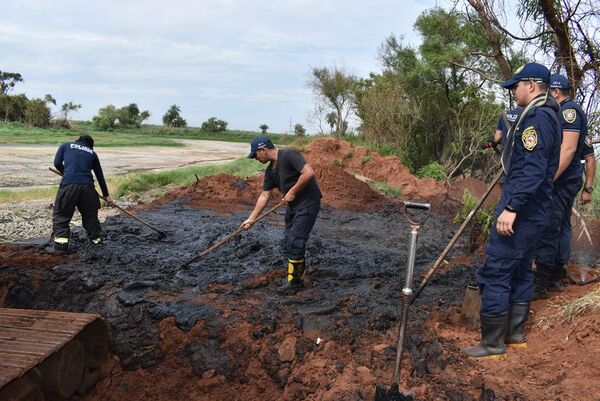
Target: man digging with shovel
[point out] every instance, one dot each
(296, 180)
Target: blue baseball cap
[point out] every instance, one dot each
(558, 81)
(260, 142)
(529, 72)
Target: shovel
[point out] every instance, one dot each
(392, 393)
(127, 212)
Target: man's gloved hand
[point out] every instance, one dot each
(491, 144)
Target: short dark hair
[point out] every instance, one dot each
(88, 140)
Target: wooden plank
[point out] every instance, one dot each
(28, 337)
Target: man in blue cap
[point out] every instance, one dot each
(76, 160)
(296, 180)
(530, 159)
(554, 247)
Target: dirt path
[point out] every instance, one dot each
(26, 166)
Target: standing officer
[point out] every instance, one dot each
(506, 120)
(76, 160)
(590, 170)
(554, 247)
(529, 160)
(296, 180)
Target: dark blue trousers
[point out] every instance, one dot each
(298, 225)
(554, 246)
(506, 276)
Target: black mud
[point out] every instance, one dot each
(356, 271)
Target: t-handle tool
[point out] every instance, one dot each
(393, 394)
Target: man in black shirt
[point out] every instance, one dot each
(296, 180)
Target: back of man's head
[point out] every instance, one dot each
(87, 140)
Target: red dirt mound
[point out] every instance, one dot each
(360, 160)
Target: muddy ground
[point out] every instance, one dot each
(218, 330)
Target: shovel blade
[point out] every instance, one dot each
(392, 394)
(470, 307)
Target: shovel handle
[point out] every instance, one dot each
(162, 234)
(231, 235)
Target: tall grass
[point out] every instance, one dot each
(137, 183)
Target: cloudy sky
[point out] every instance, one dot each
(244, 61)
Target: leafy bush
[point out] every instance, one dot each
(213, 124)
(37, 113)
(432, 170)
(481, 222)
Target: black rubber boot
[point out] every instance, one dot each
(295, 277)
(61, 244)
(540, 283)
(555, 283)
(515, 337)
(493, 335)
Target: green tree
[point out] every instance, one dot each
(172, 118)
(331, 119)
(299, 130)
(263, 128)
(424, 103)
(106, 118)
(335, 89)
(213, 124)
(37, 113)
(8, 80)
(131, 115)
(13, 108)
(67, 108)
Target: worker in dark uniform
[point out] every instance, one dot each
(590, 170)
(530, 159)
(506, 120)
(554, 246)
(76, 160)
(296, 180)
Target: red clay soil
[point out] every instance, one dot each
(560, 363)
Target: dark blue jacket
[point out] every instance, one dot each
(76, 161)
(573, 118)
(511, 116)
(535, 156)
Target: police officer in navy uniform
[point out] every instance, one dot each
(554, 247)
(76, 160)
(530, 159)
(296, 180)
(506, 120)
(590, 170)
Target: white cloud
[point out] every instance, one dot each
(232, 58)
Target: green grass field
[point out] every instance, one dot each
(147, 135)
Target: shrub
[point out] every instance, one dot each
(481, 222)
(214, 125)
(432, 170)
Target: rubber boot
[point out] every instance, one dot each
(295, 277)
(515, 337)
(61, 244)
(493, 335)
(540, 283)
(555, 283)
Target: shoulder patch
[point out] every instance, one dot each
(570, 115)
(529, 138)
(588, 140)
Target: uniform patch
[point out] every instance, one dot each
(529, 138)
(570, 115)
(588, 140)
